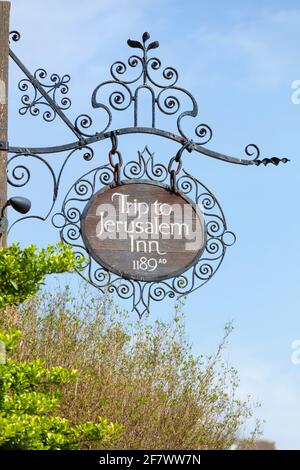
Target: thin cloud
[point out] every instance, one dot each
(260, 52)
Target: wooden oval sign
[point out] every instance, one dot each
(142, 231)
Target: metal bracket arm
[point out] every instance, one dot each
(159, 132)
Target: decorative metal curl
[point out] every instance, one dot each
(15, 36)
(32, 103)
(253, 150)
(82, 123)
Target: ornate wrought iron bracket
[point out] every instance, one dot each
(168, 104)
(167, 99)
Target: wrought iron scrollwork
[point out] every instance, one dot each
(252, 150)
(55, 86)
(19, 176)
(165, 96)
(143, 72)
(142, 293)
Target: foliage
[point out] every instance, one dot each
(22, 271)
(29, 395)
(141, 375)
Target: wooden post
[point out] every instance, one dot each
(4, 57)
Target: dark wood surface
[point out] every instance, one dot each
(134, 259)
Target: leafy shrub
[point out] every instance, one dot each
(141, 375)
(29, 396)
(22, 271)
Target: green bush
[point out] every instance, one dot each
(29, 396)
(140, 374)
(22, 271)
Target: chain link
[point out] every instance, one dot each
(118, 164)
(177, 159)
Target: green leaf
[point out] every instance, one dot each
(14, 284)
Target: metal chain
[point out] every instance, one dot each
(116, 165)
(177, 159)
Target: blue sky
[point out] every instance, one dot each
(239, 60)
